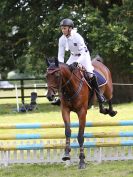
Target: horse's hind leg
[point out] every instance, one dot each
(111, 112)
(102, 109)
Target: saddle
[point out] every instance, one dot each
(100, 78)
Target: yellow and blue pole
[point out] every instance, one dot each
(61, 125)
(62, 146)
(62, 136)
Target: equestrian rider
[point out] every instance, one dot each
(74, 42)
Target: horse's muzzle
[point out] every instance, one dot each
(50, 97)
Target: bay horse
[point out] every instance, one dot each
(75, 95)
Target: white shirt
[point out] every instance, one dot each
(75, 43)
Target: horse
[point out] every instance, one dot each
(75, 95)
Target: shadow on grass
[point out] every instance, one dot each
(42, 107)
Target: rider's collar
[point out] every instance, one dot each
(73, 31)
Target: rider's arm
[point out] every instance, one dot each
(82, 48)
(61, 50)
(81, 44)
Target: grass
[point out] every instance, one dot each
(48, 113)
(108, 169)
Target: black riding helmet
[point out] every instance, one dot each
(67, 22)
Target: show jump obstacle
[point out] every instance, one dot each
(37, 147)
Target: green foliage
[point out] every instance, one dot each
(117, 37)
(30, 30)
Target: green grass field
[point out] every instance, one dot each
(48, 113)
(108, 169)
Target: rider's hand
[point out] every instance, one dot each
(73, 66)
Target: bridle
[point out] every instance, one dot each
(63, 88)
(52, 71)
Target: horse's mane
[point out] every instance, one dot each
(63, 64)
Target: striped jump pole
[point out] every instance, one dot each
(61, 125)
(62, 146)
(62, 136)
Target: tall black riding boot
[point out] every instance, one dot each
(94, 84)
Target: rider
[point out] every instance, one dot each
(73, 41)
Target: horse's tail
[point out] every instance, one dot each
(98, 58)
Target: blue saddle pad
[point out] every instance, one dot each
(100, 79)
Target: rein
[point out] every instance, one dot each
(65, 94)
(76, 93)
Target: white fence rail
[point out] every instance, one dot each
(97, 154)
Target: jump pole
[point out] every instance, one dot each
(61, 125)
(62, 136)
(62, 146)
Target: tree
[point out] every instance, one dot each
(30, 30)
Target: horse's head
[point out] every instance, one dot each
(53, 78)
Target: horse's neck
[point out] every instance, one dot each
(68, 76)
(66, 73)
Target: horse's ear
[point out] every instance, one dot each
(56, 62)
(47, 62)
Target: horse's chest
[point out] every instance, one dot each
(73, 106)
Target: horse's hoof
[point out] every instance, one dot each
(82, 165)
(113, 113)
(104, 111)
(66, 157)
(68, 163)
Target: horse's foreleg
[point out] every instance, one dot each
(81, 155)
(66, 118)
(82, 121)
(67, 148)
